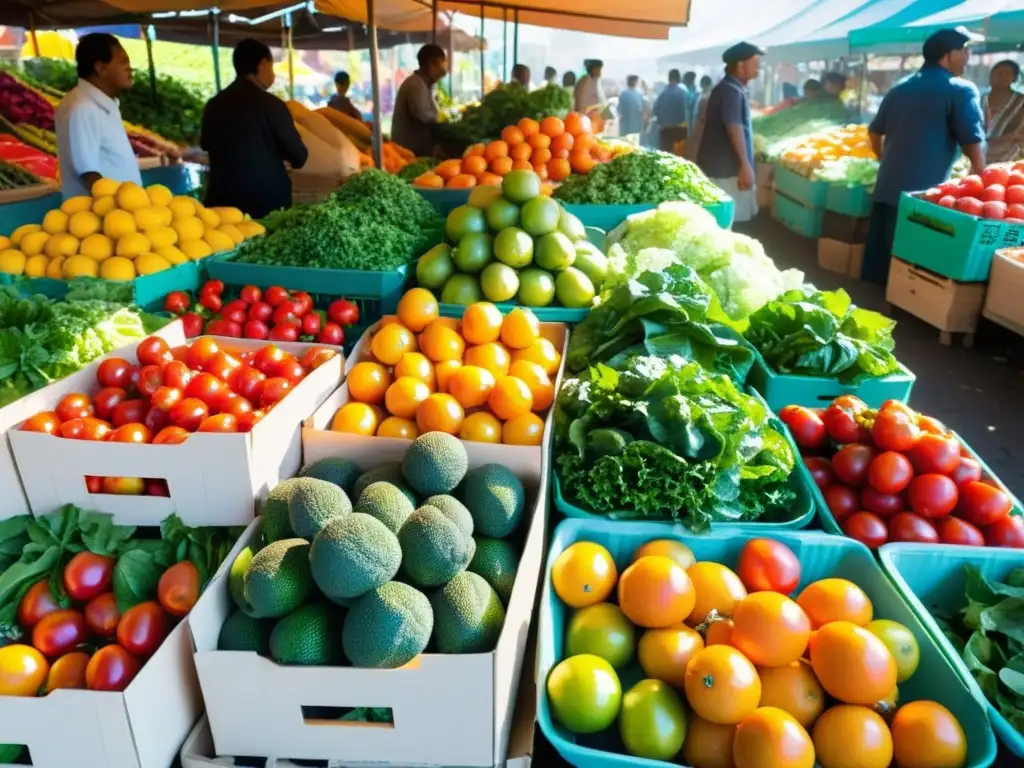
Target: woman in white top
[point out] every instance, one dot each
(589, 93)
(1003, 107)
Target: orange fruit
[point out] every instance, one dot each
(495, 150)
(449, 169)
(462, 180)
(708, 745)
(509, 398)
(537, 380)
(440, 413)
(583, 574)
(539, 141)
(559, 169)
(848, 735)
(584, 143)
(475, 165)
(793, 688)
(926, 735)
(387, 320)
(552, 126)
(521, 165)
(721, 685)
(718, 632)
(494, 357)
(543, 352)
(450, 323)
(429, 179)
(655, 592)
(540, 156)
(527, 429)
(417, 365)
(481, 323)
(835, 600)
(575, 124)
(581, 162)
(717, 588)
(852, 664)
(470, 385)
(404, 397)
(481, 427)
(529, 126)
(664, 653)
(439, 342)
(520, 328)
(489, 179)
(367, 382)
(356, 418)
(563, 142)
(500, 166)
(474, 150)
(391, 342)
(770, 629)
(521, 151)
(670, 548)
(540, 169)
(512, 135)
(443, 372)
(393, 426)
(770, 738)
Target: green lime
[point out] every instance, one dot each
(603, 630)
(481, 197)
(554, 251)
(463, 220)
(584, 693)
(236, 576)
(435, 267)
(574, 289)
(653, 720)
(461, 289)
(499, 282)
(501, 214)
(536, 287)
(514, 247)
(473, 252)
(540, 216)
(520, 186)
(592, 263)
(570, 226)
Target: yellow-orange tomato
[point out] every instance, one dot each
(68, 671)
(721, 685)
(391, 342)
(835, 600)
(357, 418)
(540, 385)
(770, 629)
(480, 427)
(852, 664)
(520, 328)
(393, 426)
(793, 688)
(525, 429)
(367, 382)
(670, 548)
(470, 385)
(543, 352)
(439, 341)
(417, 309)
(404, 397)
(440, 413)
(443, 373)
(708, 745)
(417, 365)
(509, 398)
(656, 592)
(850, 735)
(926, 735)
(770, 738)
(718, 632)
(583, 574)
(664, 653)
(493, 356)
(481, 323)
(717, 588)
(23, 670)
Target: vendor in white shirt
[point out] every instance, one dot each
(91, 139)
(589, 93)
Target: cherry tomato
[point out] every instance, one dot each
(156, 420)
(343, 312)
(255, 329)
(223, 326)
(302, 303)
(883, 504)
(274, 391)
(931, 426)
(311, 324)
(821, 471)
(171, 436)
(935, 454)
(155, 486)
(851, 463)
(102, 615)
(215, 287)
(766, 564)
(867, 528)
(177, 302)
(841, 500)
(106, 400)
(37, 602)
(806, 426)
(176, 374)
(123, 486)
(211, 301)
(178, 588)
(111, 668)
(165, 398)
(86, 429)
(953, 530)
(47, 422)
(894, 430)
(292, 370)
(983, 504)
(890, 472)
(315, 357)
(205, 387)
(235, 305)
(74, 406)
(932, 495)
(1006, 532)
(906, 526)
(250, 294)
(968, 470)
(332, 334)
(115, 372)
(189, 413)
(221, 365)
(274, 295)
(68, 672)
(268, 358)
(286, 331)
(142, 628)
(201, 350)
(248, 382)
(261, 312)
(87, 575)
(59, 632)
(132, 433)
(153, 351)
(151, 378)
(220, 422)
(240, 408)
(285, 312)
(192, 325)
(129, 412)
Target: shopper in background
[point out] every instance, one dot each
(672, 110)
(520, 76)
(835, 84)
(550, 75)
(340, 100)
(91, 139)
(812, 90)
(1003, 107)
(699, 118)
(569, 81)
(415, 117)
(920, 125)
(249, 136)
(726, 152)
(632, 108)
(589, 93)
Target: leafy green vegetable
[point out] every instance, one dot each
(822, 333)
(849, 171)
(416, 168)
(641, 177)
(504, 106)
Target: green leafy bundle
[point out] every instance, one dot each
(774, 132)
(808, 332)
(417, 167)
(663, 439)
(639, 178)
(506, 105)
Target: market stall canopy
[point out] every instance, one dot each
(80, 13)
(1000, 21)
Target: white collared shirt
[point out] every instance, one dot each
(91, 139)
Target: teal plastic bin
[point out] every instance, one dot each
(607, 217)
(782, 389)
(812, 193)
(148, 291)
(821, 556)
(444, 200)
(849, 201)
(797, 216)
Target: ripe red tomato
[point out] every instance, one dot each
(968, 470)
(153, 351)
(250, 294)
(841, 500)
(302, 303)
(948, 201)
(890, 472)
(59, 632)
(935, 453)
(171, 436)
(932, 495)
(176, 374)
(37, 603)
(994, 192)
(1015, 210)
(950, 188)
(894, 430)
(274, 391)
(906, 526)
(286, 331)
(883, 504)
(156, 420)
(255, 329)
(115, 372)
(343, 312)
(971, 185)
(87, 575)
(74, 406)
(86, 429)
(268, 358)
(216, 287)
(201, 350)
(969, 204)
(806, 426)
(932, 195)
(221, 365)
(165, 398)
(931, 425)
(821, 471)
(766, 564)
(247, 382)
(106, 400)
(285, 312)
(111, 668)
(189, 413)
(178, 588)
(177, 302)
(151, 378)
(995, 175)
(240, 408)
(261, 312)
(93, 484)
(311, 324)
(1015, 192)
(205, 387)
(102, 615)
(142, 628)
(983, 504)
(840, 421)
(292, 370)
(332, 334)
(274, 295)
(315, 357)
(220, 422)
(867, 528)
(47, 422)
(993, 209)
(1006, 532)
(129, 412)
(953, 530)
(851, 463)
(132, 433)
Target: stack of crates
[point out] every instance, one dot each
(799, 202)
(844, 229)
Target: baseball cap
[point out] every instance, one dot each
(945, 40)
(741, 52)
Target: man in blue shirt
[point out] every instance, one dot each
(690, 87)
(919, 127)
(671, 110)
(726, 152)
(631, 108)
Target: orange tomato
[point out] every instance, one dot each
(414, 364)
(708, 745)
(178, 588)
(793, 688)
(717, 589)
(541, 387)
(443, 372)
(541, 170)
(393, 426)
(849, 735)
(68, 671)
(509, 398)
(575, 124)
(495, 150)
(512, 135)
(481, 427)
(417, 309)
(521, 151)
(670, 548)
(656, 592)
(494, 357)
(357, 418)
(552, 126)
(471, 385)
(489, 179)
(520, 328)
(367, 382)
(583, 574)
(440, 413)
(835, 600)
(500, 166)
(481, 323)
(529, 127)
(770, 738)
(449, 169)
(581, 162)
(462, 180)
(522, 165)
(722, 685)
(926, 735)
(539, 141)
(430, 180)
(584, 143)
(439, 342)
(526, 429)
(559, 169)
(391, 342)
(664, 653)
(540, 156)
(542, 352)
(852, 664)
(718, 632)
(563, 142)
(474, 150)
(475, 165)
(770, 629)
(404, 397)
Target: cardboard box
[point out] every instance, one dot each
(844, 258)
(846, 229)
(944, 303)
(449, 710)
(1003, 301)
(212, 478)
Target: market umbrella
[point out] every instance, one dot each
(1001, 22)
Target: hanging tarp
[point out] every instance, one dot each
(1001, 22)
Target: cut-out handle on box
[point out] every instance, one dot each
(349, 717)
(15, 755)
(126, 486)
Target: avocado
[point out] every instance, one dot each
(353, 555)
(242, 632)
(435, 463)
(313, 504)
(278, 579)
(496, 560)
(388, 627)
(496, 498)
(454, 510)
(342, 472)
(386, 502)
(468, 616)
(274, 513)
(433, 548)
(311, 635)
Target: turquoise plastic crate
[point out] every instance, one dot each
(821, 556)
(607, 217)
(796, 216)
(444, 200)
(781, 389)
(812, 193)
(948, 242)
(849, 201)
(932, 580)
(147, 291)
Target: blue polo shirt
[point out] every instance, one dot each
(671, 108)
(727, 105)
(924, 120)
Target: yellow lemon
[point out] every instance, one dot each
(218, 241)
(103, 205)
(55, 222)
(35, 266)
(76, 204)
(188, 229)
(159, 195)
(227, 214)
(131, 197)
(117, 224)
(12, 261)
(84, 223)
(231, 231)
(97, 247)
(33, 243)
(5, 243)
(209, 217)
(132, 245)
(182, 207)
(148, 263)
(171, 253)
(148, 218)
(55, 268)
(104, 188)
(250, 228)
(61, 244)
(161, 236)
(163, 216)
(117, 268)
(20, 232)
(195, 249)
(80, 266)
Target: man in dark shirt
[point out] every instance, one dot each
(415, 118)
(919, 127)
(249, 135)
(340, 100)
(726, 152)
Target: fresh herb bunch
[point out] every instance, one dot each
(417, 167)
(638, 178)
(506, 105)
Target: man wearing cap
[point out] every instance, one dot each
(726, 152)
(919, 127)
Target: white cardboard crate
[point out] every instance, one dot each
(213, 479)
(449, 710)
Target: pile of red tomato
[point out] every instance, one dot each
(896, 475)
(998, 193)
(61, 639)
(275, 314)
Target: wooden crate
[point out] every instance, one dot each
(949, 305)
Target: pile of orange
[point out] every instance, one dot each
(738, 673)
(553, 148)
(485, 378)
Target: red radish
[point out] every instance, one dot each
(254, 329)
(331, 333)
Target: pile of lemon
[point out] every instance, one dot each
(120, 232)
